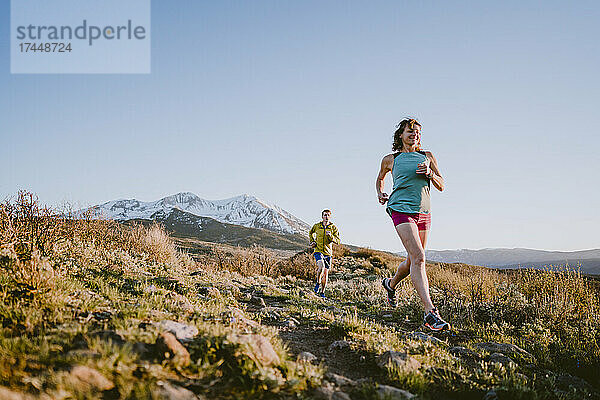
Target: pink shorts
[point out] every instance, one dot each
(423, 221)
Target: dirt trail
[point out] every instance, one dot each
(342, 361)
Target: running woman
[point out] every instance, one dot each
(325, 233)
(413, 172)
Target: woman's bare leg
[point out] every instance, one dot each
(404, 268)
(423, 236)
(411, 239)
(402, 272)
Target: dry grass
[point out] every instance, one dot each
(128, 277)
(256, 261)
(154, 241)
(62, 278)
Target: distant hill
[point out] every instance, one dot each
(243, 210)
(187, 225)
(587, 260)
(590, 266)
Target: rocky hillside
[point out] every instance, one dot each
(95, 309)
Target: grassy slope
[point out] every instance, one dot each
(185, 225)
(93, 297)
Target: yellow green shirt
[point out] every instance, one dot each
(318, 234)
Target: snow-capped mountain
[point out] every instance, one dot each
(241, 210)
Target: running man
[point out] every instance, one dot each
(325, 233)
(413, 172)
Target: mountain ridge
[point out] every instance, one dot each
(243, 210)
(587, 260)
(182, 224)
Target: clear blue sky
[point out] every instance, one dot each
(296, 102)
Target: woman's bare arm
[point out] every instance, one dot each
(435, 174)
(386, 166)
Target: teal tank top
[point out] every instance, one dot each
(410, 194)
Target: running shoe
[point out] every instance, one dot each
(433, 321)
(317, 288)
(321, 294)
(391, 293)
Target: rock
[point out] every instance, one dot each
(168, 346)
(392, 393)
(306, 357)
(213, 292)
(180, 330)
(507, 349)
(166, 391)
(7, 394)
(499, 358)
(339, 395)
(462, 352)
(468, 356)
(491, 395)
(338, 345)
(258, 301)
(402, 361)
(324, 392)
(88, 379)
(108, 336)
(424, 337)
(363, 381)
(260, 348)
(339, 380)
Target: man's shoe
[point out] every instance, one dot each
(391, 293)
(317, 288)
(433, 321)
(321, 294)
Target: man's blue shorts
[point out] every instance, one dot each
(326, 259)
